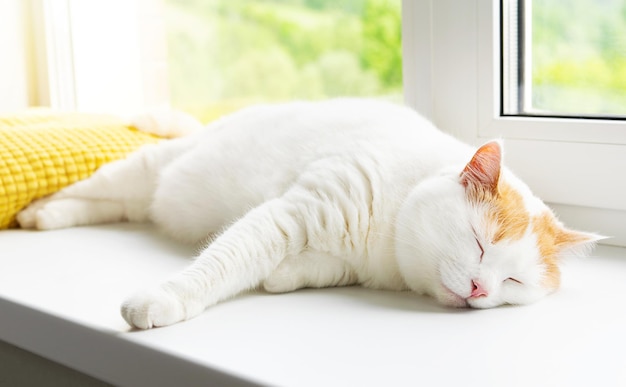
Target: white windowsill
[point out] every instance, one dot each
(60, 293)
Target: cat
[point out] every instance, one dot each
(320, 194)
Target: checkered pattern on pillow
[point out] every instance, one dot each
(42, 152)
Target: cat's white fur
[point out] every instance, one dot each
(306, 195)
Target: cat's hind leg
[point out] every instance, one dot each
(70, 212)
(121, 190)
(309, 271)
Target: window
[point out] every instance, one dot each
(211, 57)
(104, 56)
(564, 58)
(573, 164)
(226, 54)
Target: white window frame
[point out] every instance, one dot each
(452, 76)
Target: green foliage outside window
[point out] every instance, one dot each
(225, 54)
(579, 57)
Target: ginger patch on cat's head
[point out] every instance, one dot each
(547, 232)
(553, 241)
(509, 213)
(481, 178)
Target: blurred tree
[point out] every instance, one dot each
(224, 54)
(341, 74)
(265, 74)
(579, 56)
(382, 41)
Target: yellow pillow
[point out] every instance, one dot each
(42, 152)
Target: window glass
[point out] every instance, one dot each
(225, 54)
(571, 57)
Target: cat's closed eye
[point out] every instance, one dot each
(482, 251)
(511, 279)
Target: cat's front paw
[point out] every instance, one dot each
(153, 308)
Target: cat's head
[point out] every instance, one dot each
(478, 237)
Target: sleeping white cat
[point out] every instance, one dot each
(324, 194)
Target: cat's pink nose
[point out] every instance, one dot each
(478, 290)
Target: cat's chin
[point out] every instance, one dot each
(449, 298)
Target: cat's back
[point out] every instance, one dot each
(311, 129)
(272, 144)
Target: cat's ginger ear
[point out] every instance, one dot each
(576, 242)
(555, 240)
(483, 171)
